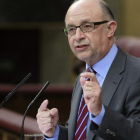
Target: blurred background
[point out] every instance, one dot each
(32, 41)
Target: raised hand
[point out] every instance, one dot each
(47, 119)
(92, 93)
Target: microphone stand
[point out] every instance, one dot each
(22, 128)
(15, 89)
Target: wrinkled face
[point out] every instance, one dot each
(90, 46)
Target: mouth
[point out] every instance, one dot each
(81, 47)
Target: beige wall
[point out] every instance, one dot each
(127, 15)
(131, 17)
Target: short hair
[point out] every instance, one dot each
(106, 9)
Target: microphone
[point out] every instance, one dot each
(22, 128)
(15, 89)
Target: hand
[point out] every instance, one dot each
(92, 93)
(47, 119)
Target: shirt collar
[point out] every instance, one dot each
(102, 66)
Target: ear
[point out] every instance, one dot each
(112, 26)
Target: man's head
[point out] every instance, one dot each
(90, 42)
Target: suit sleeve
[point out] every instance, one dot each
(63, 134)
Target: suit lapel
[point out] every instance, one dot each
(74, 110)
(113, 78)
(110, 85)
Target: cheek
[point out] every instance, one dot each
(97, 40)
(71, 44)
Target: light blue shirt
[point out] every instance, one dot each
(102, 68)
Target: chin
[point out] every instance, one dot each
(82, 59)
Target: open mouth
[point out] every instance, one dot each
(81, 47)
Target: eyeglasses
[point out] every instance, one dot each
(86, 27)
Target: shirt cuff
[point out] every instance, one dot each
(98, 119)
(55, 136)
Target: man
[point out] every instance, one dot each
(111, 94)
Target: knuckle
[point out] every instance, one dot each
(50, 119)
(37, 116)
(56, 111)
(50, 125)
(37, 121)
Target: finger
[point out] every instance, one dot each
(45, 120)
(43, 114)
(90, 84)
(54, 113)
(82, 81)
(89, 75)
(88, 88)
(43, 106)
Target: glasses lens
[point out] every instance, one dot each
(88, 27)
(71, 30)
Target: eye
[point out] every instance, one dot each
(87, 26)
(71, 29)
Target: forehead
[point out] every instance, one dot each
(84, 10)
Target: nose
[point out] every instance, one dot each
(79, 35)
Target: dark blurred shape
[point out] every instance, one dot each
(78, 66)
(33, 10)
(19, 55)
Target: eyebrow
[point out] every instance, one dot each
(83, 21)
(70, 25)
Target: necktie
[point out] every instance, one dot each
(81, 126)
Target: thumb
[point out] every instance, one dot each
(55, 115)
(82, 81)
(43, 106)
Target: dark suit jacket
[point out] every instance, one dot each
(121, 98)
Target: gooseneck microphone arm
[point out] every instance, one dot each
(22, 128)
(14, 90)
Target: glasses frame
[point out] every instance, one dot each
(95, 23)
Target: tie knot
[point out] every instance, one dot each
(90, 69)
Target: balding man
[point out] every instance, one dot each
(106, 98)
